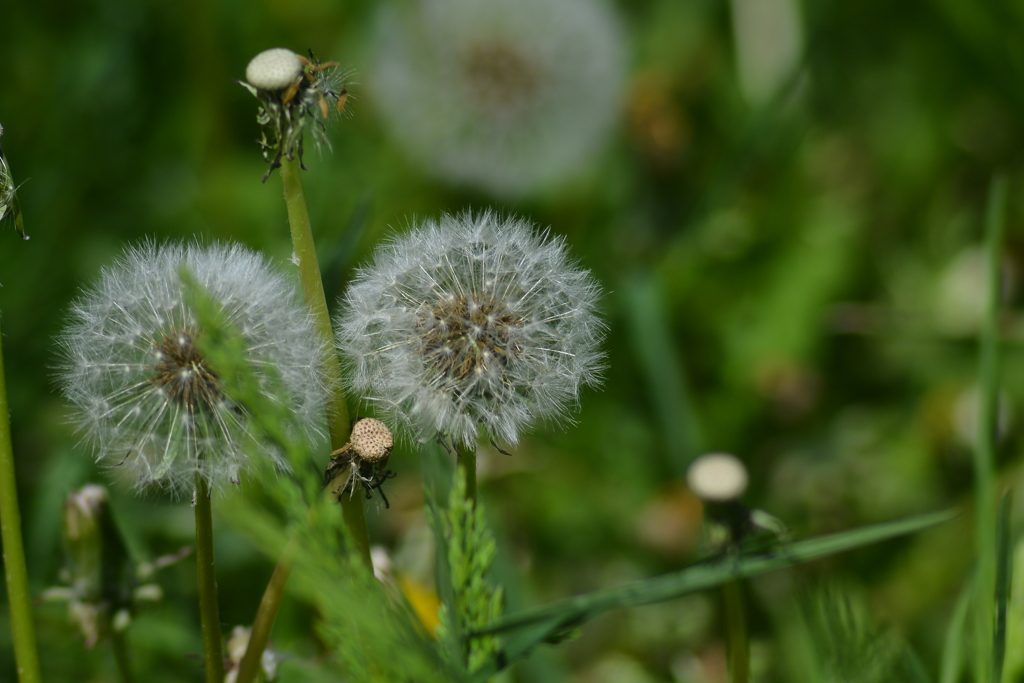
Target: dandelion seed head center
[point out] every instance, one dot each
(498, 75)
(182, 375)
(464, 336)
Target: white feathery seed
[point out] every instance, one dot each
(471, 321)
(507, 95)
(273, 69)
(143, 393)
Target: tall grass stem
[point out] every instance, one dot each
(26, 653)
(984, 454)
(209, 609)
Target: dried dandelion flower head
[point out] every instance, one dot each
(144, 393)
(470, 321)
(292, 90)
(507, 95)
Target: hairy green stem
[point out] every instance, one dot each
(313, 291)
(736, 633)
(26, 654)
(119, 646)
(209, 610)
(984, 454)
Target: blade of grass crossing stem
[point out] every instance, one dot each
(23, 629)
(953, 649)
(984, 453)
(1004, 571)
(541, 623)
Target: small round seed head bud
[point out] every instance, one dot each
(371, 440)
(273, 69)
(717, 477)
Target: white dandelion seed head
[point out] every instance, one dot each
(143, 393)
(471, 321)
(507, 95)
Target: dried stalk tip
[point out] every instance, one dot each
(274, 69)
(372, 440)
(717, 477)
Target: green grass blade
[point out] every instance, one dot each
(663, 370)
(985, 452)
(1004, 571)
(953, 651)
(546, 622)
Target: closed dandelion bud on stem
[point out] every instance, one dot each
(145, 395)
(471, 321)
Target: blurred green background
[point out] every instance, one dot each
(790, 259)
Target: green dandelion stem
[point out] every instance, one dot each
(209, 610)
(23, 628)
(313, 291)
(736, 633)
(985, 453)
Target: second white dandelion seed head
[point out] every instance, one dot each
(470, 321)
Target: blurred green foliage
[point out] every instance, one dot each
(793, 279)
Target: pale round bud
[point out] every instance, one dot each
(717, 477)
(273, 69)
(371, 440)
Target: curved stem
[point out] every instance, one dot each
(23, 628)
(209, 610)
(249, 667)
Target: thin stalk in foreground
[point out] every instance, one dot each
(984, 454)
(249, 667)
(26, 653)
(313, 291)
(209, 609)
(736, 633)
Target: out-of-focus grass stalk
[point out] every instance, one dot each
(984, 453)
(736, 633)
(119, 646)
(313, 291)
(23, 629)
(209, 610)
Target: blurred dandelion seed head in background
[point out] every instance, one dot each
(144, 394)
(717, 477)
(507, 95)
(469, 321)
